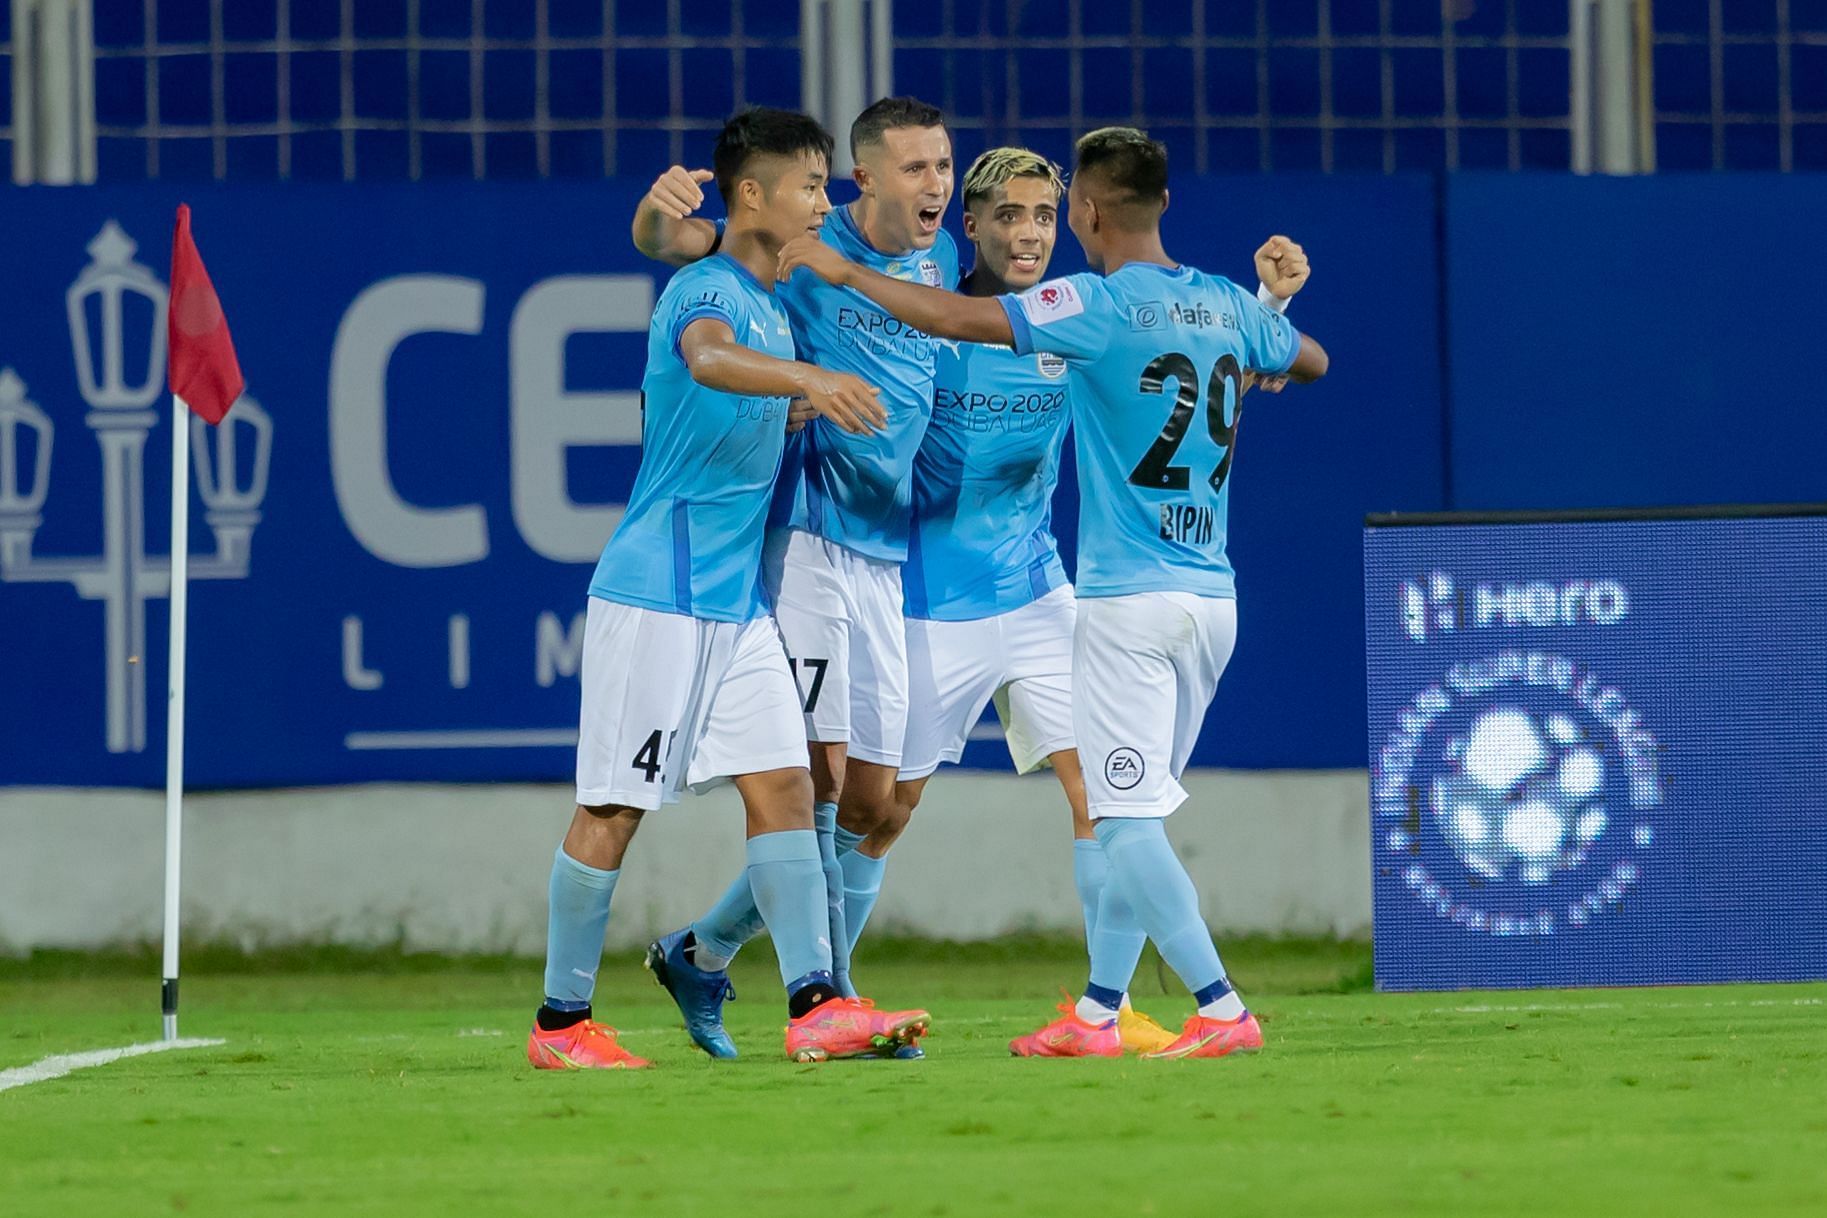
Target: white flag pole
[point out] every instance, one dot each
(174, 717)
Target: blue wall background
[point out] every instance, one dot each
(1503, 341)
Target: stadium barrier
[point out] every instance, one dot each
(462, 868)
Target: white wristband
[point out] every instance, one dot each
(1270, 300)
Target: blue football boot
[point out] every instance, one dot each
(700, 995)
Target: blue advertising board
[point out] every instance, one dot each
(393, 534)
(1599, 748)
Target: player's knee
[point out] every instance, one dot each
(611, 813)
(907, 794)
(896, 818)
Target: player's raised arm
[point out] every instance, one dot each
(717, 361)
(664, 227)
(1283, 269)
(1282, 266)
(977, 319)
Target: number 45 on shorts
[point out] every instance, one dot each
(650, 756)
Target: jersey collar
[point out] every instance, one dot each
(742, 271)
(855, 234)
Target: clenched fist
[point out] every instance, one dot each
(1282, 266)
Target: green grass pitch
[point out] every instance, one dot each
(393, 1085)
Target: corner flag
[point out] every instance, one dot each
(204, 370)
(205, 376)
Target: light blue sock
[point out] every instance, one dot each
(1089, 871)
(789, 885)
(1150, 876)
(862, 885)
(577, 917)
(1116, 944)
(726, 926)
(846, 841)
(824, 821)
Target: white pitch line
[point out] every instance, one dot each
(57, 1067)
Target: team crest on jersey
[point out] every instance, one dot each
(1050, 365)
(1051, 301)
(929, 274)
(1123, 768)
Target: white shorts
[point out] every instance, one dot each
(671, 701)
(1022, 659)
(840, 615)
(1146, 666)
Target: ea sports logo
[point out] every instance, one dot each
(1123, 769)
(1516, 796)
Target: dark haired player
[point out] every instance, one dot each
(833, 558)
(684, 678)
(1157, 614)
(989, 610)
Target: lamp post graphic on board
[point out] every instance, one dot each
(231, 482)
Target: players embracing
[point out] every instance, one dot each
(1157, 620)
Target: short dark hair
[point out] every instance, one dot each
(1127, 164)
(889, 113)
(764, 131)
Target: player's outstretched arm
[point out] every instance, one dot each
(717, 361)
(976, 319)
(1310, 362)
(664, 227)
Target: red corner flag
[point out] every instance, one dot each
(204, 370)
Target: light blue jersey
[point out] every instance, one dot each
(690, 542)
(982, 541)
(1157, 358)
(857, 490)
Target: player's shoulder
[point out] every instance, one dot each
(715, 282)
(1062, 297)
(945, 249)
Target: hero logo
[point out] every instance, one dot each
(1436, 604)
(1515, 796)
(1123, 768)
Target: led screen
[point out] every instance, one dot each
(1598, 748)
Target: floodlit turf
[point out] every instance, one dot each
(402, 1089)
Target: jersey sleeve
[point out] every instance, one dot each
(708, 294)
(1270, 341)
(1071, 317)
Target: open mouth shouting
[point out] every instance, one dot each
(928, 218)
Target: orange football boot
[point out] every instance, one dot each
(1204, 1037)
(1070, 1036)
(586, 1045)
(852, 1027)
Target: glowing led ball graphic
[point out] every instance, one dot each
(1521, 798)
(1516, 795)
